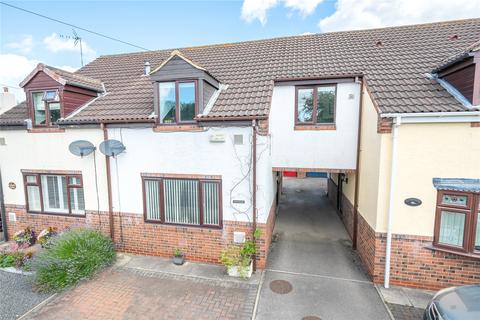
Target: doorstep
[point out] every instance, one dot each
(188, 269)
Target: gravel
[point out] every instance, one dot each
(17, 296)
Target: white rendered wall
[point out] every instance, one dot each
(323, 149)
(49, 151)
(192, 153)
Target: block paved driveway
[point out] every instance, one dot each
(127, 293)
(313, 254)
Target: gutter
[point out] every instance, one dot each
(109, 186)
(435, 117)
(254, 187)
(393, 176)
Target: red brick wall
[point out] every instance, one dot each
(347, 207)
(133, 235)
(412, 263)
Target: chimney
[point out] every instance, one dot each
(147, 68)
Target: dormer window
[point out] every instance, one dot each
(46, 107)
(177, 101)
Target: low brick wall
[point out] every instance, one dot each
(134, 235)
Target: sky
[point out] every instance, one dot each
(27, 39)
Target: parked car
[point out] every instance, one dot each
(455, 303)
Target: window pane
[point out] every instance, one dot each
(31, 179)
(325, 104)
(187, 101)
(50, 95)
(477, 237)
(167, 102)
(77, 201)
(54, 109)
(211, 203)
(33, 194)
(74, 180)
(452, 226)
(38, 107)
(152, 199)
(181, 201)
(305, 105)
(54, 191)
(451, 199)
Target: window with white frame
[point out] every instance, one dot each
(182, 201)
(54, 193)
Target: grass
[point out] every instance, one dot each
(72, 256)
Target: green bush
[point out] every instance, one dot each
(14, 259)
(72, 256)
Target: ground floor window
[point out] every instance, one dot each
(457, 222)
(182, 201)
(54, 193)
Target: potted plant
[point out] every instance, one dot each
(178, 257)
(46, 235)
(25, 238)
(239, 259)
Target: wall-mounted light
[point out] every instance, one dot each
(413, 202)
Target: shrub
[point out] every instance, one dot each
(46, 235)
(14, 259)
(240, 256)
(72, 256)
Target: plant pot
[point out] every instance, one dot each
(236, 271)
(179, 260)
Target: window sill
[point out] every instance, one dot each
(314, 127)
(46, 130)
(450, 251)
(71, 215)
(183, 225)
(177, 127)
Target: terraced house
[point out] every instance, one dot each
(198, 138)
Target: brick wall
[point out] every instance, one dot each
(133, 235)
(346, 214)
(413, 264)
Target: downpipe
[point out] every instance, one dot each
(254, 188)
(393, 177)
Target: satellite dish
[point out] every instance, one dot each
(112, 147)
(81, 148)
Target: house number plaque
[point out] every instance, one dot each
(12, 185)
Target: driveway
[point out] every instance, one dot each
(312, 253)
(16, 295)
(152, 288)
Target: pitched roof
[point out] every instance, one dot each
(65, 77)
(458, 57)
(393, 61)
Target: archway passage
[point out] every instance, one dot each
(313, 252)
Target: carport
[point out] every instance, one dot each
(312, 270)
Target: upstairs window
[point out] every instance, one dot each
(177, 101)
(457, 222)
(46, 107)
(315, 105)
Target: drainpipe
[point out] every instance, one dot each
(357, 170)
(393, 176)
(2, 211)
(109, 187)
(254, 187)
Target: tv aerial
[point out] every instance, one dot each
(81, 148)
(112, 147)
(76, 40)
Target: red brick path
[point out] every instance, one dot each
(131, 294)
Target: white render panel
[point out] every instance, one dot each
(49, 151)
(330, 149)
(192, 153)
